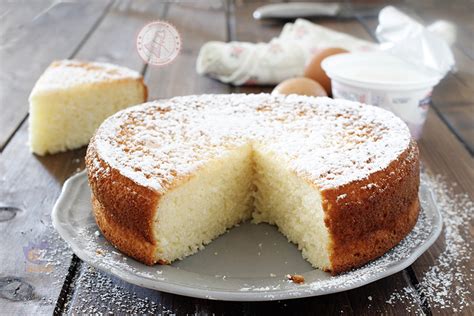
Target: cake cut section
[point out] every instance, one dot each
(217, 197)
(292, 204)
(72, 98)
(245, 183)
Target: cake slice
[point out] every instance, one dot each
(72, 98)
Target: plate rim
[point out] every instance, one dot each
(70, 191)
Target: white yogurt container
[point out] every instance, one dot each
(383, 80)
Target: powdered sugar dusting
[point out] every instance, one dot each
(99, 293)
(65, 74)
(330, 142)
(447, 284)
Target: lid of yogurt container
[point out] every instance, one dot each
(378, 71)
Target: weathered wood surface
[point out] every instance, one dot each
(439, 149)
(197, 23)
(35, 197)
(108, 34)
(31, 39)
(454, 97)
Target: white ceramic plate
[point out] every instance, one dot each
(249, 263)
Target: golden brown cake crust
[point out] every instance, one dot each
(127, 240)
(124, 210)
(366, 218)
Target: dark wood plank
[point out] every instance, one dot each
(46, 31)
(96, 291)
(30, 186)
(458, 12)
(197, 24)
(453, 100)
(13, 20)
(29, 286)
(113, 41)
(454, 96)
(100, 292)
(443, 154)
(245, 27)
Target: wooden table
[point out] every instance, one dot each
(37, 32)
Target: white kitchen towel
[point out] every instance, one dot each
(283, 57)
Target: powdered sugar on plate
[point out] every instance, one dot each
(73, 219)
(448, 283)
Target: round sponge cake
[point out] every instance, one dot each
(339, 179)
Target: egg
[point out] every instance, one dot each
(301, 86)
(314, 71)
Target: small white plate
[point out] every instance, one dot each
(249, 263)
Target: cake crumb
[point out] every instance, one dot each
(272, 275)
(296, 278)
(99, 252)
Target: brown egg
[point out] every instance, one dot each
(301, 86)
(314, 71)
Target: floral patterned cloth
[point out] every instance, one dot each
(285, 56)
